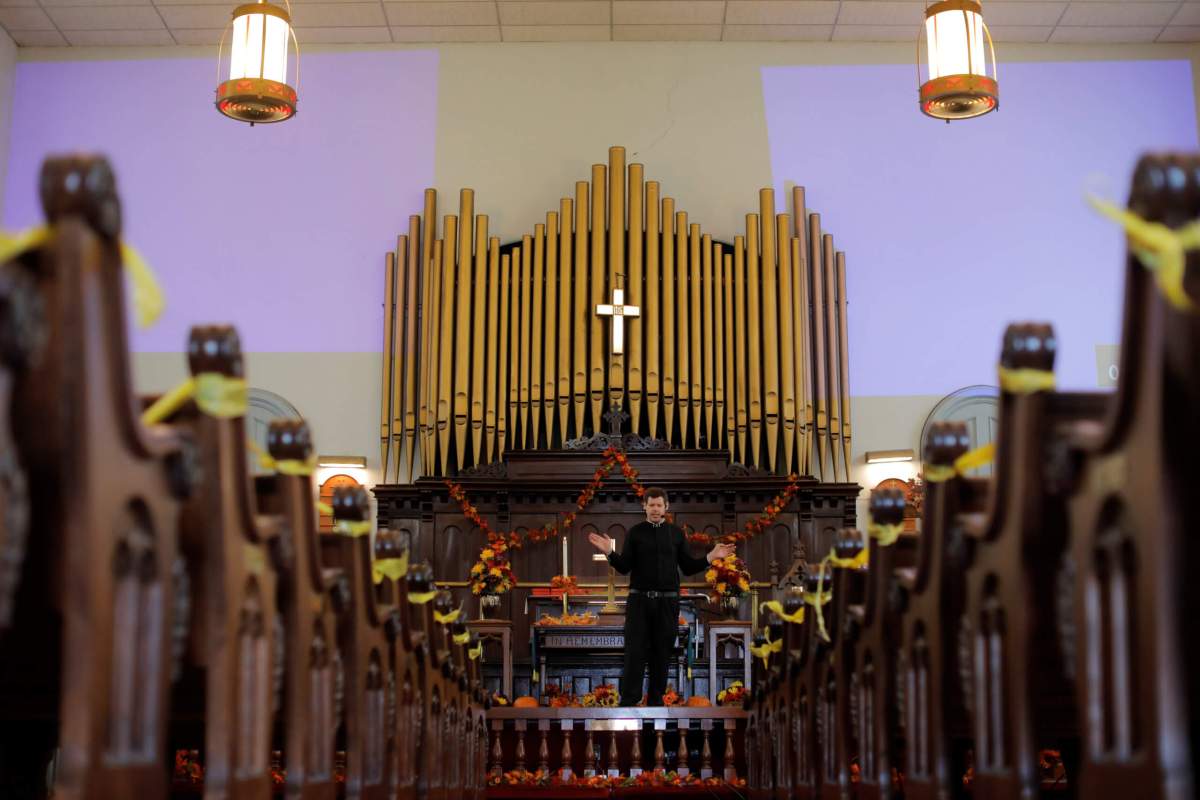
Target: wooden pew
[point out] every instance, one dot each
(935, 724)
(873, 636)
(1016, 680)
(806, 703)
(95, 623)
(363, 644)
(420, 593)
(310, 713)
(391, 586)
(841, 743)
(1133, 530)
(234, 651)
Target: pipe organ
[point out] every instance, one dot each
(490, 348)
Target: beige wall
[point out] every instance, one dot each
(519, 123)
(8, 68)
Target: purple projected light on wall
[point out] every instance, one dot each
(279, 229)
(951, 231)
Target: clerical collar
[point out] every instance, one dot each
(656, 524)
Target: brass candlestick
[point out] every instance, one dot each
(609, 607)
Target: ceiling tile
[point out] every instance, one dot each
(128, 38)
(18, 3)
(39, 39)
(64, 3)
(667, 33)
(441, 13)
(450, 33)
(668, 12)
(563, 12)
(25, 19)
(1020, 33)
(1065, 34)
(1188, 14)
(347, 35)
(196, 16)
(1112, 14)
(1180, 33)
(777, 33)
(106, 18)
(781, 12)
(228, 5)
(338, 15)
(1023, 13)
(556, 33)
(858, 12)
(876, 33)
(210, 36)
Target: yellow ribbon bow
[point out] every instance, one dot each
(764, 651)
(1161, 250)
(940, 473)
(421, 598)
(215, 394)
(776, 608)
(1026, 381)
(819, 598)
(885, 535)
(147, 295)
(475, 652)
(325, 508)
(857, 562)
(446, 619)
(288, 466)
(390, 568)
(461, 638)
(352, 528)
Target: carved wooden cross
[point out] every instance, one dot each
(618, 311)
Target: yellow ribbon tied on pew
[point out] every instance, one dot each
(776, 608)
(421, 598)
(390, 568)
(764, 651)
(147, 295)
(1161, 250)
(446, 619)
(972, 459)
(215, 394)
(857, 562)
(475, 652)
(287, 466)
(885, 535)
(325, 508)
(352, 527)
(461, 638)
(1026, 381)
(819, 598)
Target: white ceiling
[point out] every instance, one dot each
(40, 23)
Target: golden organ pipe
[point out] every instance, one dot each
(565, 317)
(683, 362)
(510, 362)
(398, 363)
(831, 354)
(445, 368)
(800, 298)
(697, 379)
(538, 335)
(710, 289)
(817, 298)
(428, 360)
(844, 360)
(549, 351)
(583, 313)
(787, 341)
(754, 317)
(729, 357)
(635, 295)
(462, 339)
(651, 314)
(491, 411)
(526, 374)
(479, 314)
(616, 263)
(412, 353)
(668, 317)
(433, 355)
(385, 386)
(598, 358)
(770, 324)
(741, 346)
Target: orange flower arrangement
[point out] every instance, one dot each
(605, 695)
(728, 577)
(733, 696)
(492, 573)
(586, 618)
(567, 584)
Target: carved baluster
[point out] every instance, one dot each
(544, 747)
(520, 745)
(706, 750)
(590, 756)
(682, 766)
(728, 760)
(497, 751)
(635, 755)
(567, 727)
(660, 763)
(613, 769)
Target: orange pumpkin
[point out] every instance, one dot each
(698, 700)
(525, 702)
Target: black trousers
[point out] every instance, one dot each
(650, 629)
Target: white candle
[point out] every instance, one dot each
(565, 570)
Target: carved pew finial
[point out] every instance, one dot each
(886, 506)
(289, 439)
(848, 543)
(83, 186)
(352, 504)
(944, 442)
(215, 348)
(1029, 345)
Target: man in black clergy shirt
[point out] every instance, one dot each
(655, 551)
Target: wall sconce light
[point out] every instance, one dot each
(889, 456)
(344, 462)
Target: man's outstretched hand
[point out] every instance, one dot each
(601, 542)
(722, 550)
